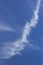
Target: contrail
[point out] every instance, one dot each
(35, 18)
(17, 46)
(33, 22)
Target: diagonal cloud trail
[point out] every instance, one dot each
(35, 18)
(29, 26)
(33, 22)
(17, 46)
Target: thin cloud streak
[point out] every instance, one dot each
(28, 27)
(6, 28)
(35, 18)
(32, 24)
(19, 45)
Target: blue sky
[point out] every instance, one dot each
(21, 32)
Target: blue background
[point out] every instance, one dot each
(16, 13)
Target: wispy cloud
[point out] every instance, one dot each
(35, 18)
(6, 28)
(15, 47)
(33, 22)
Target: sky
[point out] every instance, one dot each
(21, 32)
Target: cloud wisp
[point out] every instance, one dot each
(17, 46)
(33, 21)
(6, 28)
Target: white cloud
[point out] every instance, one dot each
(15, 47)
(33, 22)
(34, 19)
